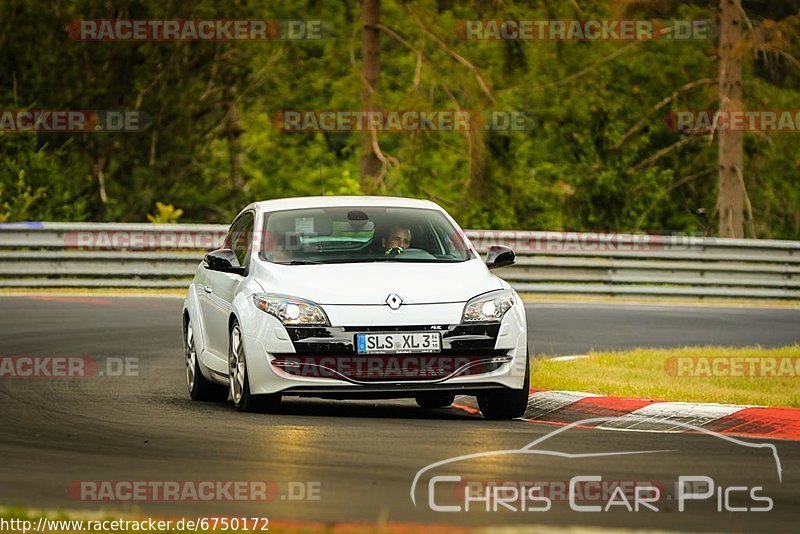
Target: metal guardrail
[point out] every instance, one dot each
(41, 255)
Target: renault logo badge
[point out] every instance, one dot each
(394, 301)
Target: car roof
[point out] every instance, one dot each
(342, 201)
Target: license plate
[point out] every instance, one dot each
(398, 342)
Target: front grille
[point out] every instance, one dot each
(330, 352)
(341, 340)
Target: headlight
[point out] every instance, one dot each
(291, 310)
(489, 307)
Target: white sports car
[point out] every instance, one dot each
(354, 297)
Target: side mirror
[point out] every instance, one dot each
(224, 260)
(500, 256)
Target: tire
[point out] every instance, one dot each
(239, 381)
(200, 388)
(435, 399)
(507, 403)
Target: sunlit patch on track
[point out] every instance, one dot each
(100, 301)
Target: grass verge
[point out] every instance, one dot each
(690, 374)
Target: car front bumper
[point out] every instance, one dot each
(322, 361)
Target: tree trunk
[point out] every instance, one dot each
(370, 165)
(731, 194)
(478, 187)
(234, 131)
(98, 169)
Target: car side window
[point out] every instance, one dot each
(240, 238)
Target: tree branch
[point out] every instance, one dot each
(663, 152)
(670, 189)
(643, 121)
(386, 160)
(589, 68)
(418, 52)
(455, 55)
(688, 178)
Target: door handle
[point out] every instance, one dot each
(208, 289)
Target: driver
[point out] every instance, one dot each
(396, 240)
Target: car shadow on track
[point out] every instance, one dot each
(383, 409)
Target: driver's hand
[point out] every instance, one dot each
(394, 251)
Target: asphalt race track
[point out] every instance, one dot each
(561, 329)
(361, 457)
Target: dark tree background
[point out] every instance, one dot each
(597, 156)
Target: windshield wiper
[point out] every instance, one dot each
(379, 259)
(357, 260)
(300, 262)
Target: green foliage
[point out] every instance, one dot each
(32, 182)
(213, 147)
(166, 214)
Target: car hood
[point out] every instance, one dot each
(372, 283)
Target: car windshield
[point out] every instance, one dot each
(361, 234)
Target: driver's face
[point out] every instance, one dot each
(398, 237)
